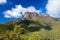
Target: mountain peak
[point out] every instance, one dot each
(34, 14)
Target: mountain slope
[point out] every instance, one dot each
(40, 27)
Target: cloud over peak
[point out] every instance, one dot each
(18, 11)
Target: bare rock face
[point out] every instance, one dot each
(34, 15)
(30, 15)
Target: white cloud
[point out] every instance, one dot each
(32, 9)
(18, 11)
(3, 1)
(53, 8)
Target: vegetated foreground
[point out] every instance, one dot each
(36, 28)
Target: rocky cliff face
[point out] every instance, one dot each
(30, 14)
(34, 14)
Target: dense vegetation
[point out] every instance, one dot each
(37, 28)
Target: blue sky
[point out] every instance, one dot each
(38, 4)
(11, 9)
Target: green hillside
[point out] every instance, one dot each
(35, 28)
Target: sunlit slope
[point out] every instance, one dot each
(35, 28)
